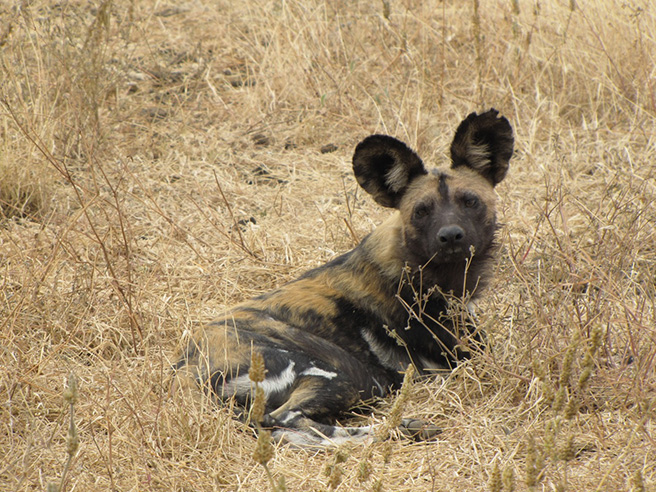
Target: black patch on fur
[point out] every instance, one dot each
(484, 143)
(378, 159)
(443, 187)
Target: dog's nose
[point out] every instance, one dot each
(451, 234)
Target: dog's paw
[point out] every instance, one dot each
(419, 430)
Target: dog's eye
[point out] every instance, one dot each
(471, 202)
(421, 210)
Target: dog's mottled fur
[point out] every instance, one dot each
(345, 331)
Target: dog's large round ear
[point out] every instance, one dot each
(484, 142)
(384, 166)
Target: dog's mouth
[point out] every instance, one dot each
(452, 253)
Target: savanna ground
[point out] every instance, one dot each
(161, 160)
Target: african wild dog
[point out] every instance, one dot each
(343, 332)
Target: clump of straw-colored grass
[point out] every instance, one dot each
(161, 161)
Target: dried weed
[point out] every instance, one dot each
(160, 161)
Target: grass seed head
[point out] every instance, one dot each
(71, 392)
(263, 448)
(396, 412)
(257, 371)
(364, 470)
(335, 477)
(566, 369)
(534, 463)
(584, 377)
(73, 441)
(259, 404)
(495, 483)
(281, 486)
(571, 408)
(567, 451)
(596, 338)
(508, 479)
(559, 399)
(637, 483)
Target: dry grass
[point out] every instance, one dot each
(162, 160)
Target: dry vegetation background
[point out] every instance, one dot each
(160, 160)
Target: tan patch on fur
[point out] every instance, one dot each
(388, 238)
(315, 297)
(217, 349)
(460, 179)
(468, 179)
(396, 178)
